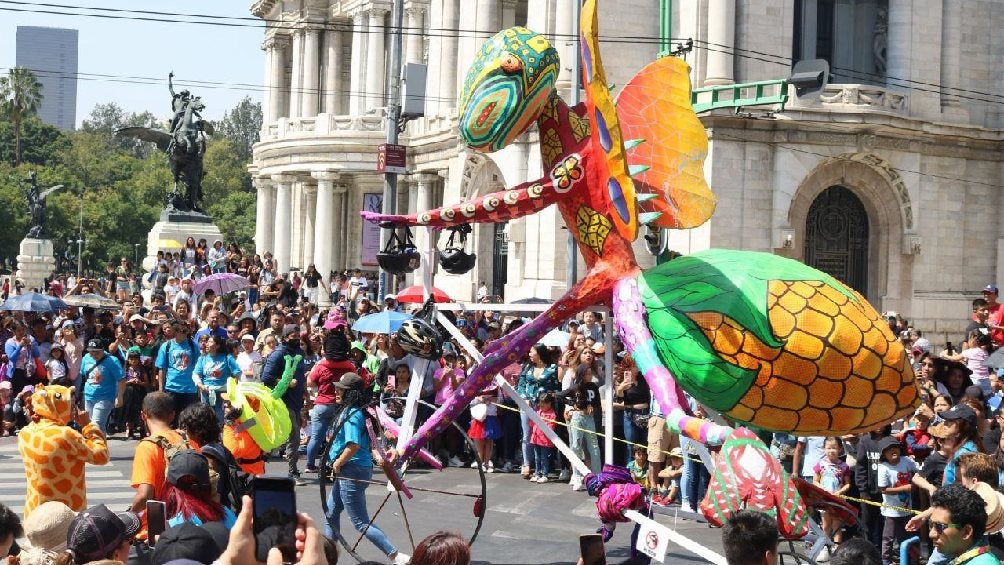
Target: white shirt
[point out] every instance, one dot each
(245, 361)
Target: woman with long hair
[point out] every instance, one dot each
(138, 381)
(212, 371)
(539, 374)
(189, 254)
(352, 467)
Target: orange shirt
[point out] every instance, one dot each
(244, 448)
(149, 465)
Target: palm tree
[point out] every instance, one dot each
(20, 97)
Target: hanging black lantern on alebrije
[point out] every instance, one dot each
(454, 259)
(399, 257)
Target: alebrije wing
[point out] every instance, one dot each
(655, 107)
(610, 170)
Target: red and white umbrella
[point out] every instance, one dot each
(415, 294)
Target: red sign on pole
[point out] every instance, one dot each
(392, 159)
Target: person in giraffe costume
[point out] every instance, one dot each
(762, 339)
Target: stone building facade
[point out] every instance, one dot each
(887, 178)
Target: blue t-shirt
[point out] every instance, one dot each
(354, 431)
(220, 331)
(215, 370)
(102, 378)
(179, 360)
(968, 447)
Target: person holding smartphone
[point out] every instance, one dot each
(352, 463)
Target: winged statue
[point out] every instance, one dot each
(185, 145)
(37, 229)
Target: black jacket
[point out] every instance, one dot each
(866, 468)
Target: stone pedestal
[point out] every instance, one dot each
(35, 263)
(170, 233)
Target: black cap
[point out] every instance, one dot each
(95, 344)
(96, 532)
(350, 381)
(186, 541)
(291, 329)
(960, 412)
(888, 442)
(190, 469)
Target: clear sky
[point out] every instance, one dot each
(150, 49)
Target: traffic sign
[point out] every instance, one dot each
(392, 159)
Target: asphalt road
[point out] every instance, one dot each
(524, 523)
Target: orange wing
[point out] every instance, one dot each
(655, 107)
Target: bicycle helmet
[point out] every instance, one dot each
(419, 336)
(454, 259)
(399, 257)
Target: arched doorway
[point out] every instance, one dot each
(836, 237)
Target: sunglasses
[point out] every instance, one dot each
(940, 527)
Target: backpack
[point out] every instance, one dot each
(233, 483)
(171, 450)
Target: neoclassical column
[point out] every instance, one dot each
(564, 31)
(899, 56)
(951, 52)
(311, 69)
(334, 56)
(722, 40)
(309, 224)
(432, 103)
(296, 226)
(376, 73)
(324, 228)
(508, 14)
(415, 28)
(448, 61)
(266, 95)
(340, 246)
(275, 48)
(425, 183)
(283, 216)
(357, 78)
(264, 218)
(296, 83)
(540, 18)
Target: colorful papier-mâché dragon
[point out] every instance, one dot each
(762, 339)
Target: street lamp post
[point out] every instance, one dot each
(80, 238)
(136, 255)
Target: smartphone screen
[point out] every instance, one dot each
(156, 520)
(591, 549)
(274, 517)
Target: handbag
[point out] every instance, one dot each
(641, 419)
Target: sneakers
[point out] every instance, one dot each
(540, 479)
(527, 474)
(579, 486)
(298, 480)
(824, 554)
(401, 558)
(490, 468)
(309, 469)
(576, 484)
(455, 462)
(564, 475)
(660, 500)
(474, 464)
(508, 467)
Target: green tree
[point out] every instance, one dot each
(20, 97)
(105, 119)
(242, 126)
(41, 143)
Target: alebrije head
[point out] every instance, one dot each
(506, 88)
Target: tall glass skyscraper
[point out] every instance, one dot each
(51, 53)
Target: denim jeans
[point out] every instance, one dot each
(292, 445)
(216, 402)
(350, 495)
(542, 454)
(321, 417)
(527, 446)
(696, 477)
(632, 433)
(584, 444)
(99, 410)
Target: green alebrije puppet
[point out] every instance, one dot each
(292, 362)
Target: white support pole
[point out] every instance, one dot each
(608, 390)
(579, 464)
(411, 404)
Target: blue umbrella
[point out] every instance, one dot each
(385, 322)
(34, 302)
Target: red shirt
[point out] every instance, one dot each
(325, 374)
(996, 319)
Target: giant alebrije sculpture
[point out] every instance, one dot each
(765, 340)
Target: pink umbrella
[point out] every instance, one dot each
(221, 283)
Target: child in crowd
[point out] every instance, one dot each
(895, 479)
(833, 475)
(484, 430)
(638, 467)
(57, 367)
(670, 478)
(543, 448)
